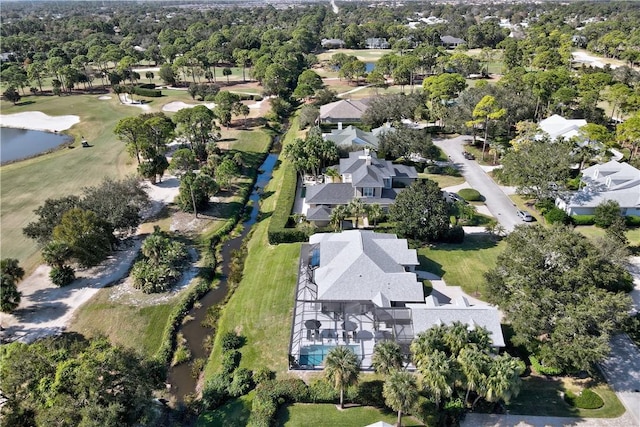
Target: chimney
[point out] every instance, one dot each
(339, 125)
(367, 157)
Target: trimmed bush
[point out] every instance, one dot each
(321, 391)
(470, 195)
(541, 369)
(632, 220)
(62, 276)
(433, 169)
(451, 171)
(556, 216)
(369, 393)
(231, 341)
(263, 374)
(270, 394)
(230, 361)
(241, 382)
(587, 399)
(147, 85)
(455, 234)
(150, 93)
(583, 219)
(215, 392)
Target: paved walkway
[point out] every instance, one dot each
(491, 420)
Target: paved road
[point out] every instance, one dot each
(490, 420)
(499, 204)
(622, 370)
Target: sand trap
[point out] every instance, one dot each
(36, 120)
(174, 106)
(104, 97)
(126, 100)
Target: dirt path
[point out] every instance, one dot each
(47, 310)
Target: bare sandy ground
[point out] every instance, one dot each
(174, 106)
(36, 120)
(47, 310)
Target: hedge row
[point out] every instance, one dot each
(151, 93)
(630, 220)
(278, 231)
(585, 400)
(541, 369)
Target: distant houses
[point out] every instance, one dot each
(451, 42)
(376, 43)
(332, 43)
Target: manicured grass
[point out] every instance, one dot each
(542, 396)
(139, 328)
(443, 180)
(303, 415)
(262, 306)
(367, 55)
(462, 264)
(26, 184)
(592, 232)
(233, 414)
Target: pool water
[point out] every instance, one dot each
(313, 355)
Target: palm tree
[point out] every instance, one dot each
(504, 378)
(341, 366)
(374, 213)
(387, 357)
(400, 392)
(473, 364)
(437, 374)
(338, 214)
(357, 209)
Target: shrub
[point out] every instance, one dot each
(606, 213)
(556, 216)
(147, 85)
(263, 374)
(470, 195)
(231, 341)
(270, 393)
(434, 169)
(583, 219)
(150, 93)
(321, 391)
(241, 382)
(62, 276)
(369, 393)
(230, 361)
(632, 220)
(455, 234)
(215, 392)
(545, 205)
(451, 171)
(541, 369)
(587, 399)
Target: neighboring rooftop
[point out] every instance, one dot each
(558, 127)
(346, 110)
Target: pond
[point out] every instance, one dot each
(18, 144)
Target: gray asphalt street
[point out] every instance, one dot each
(499, 204)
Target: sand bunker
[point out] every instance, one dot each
(174, 106)
(36, 120)
(104, 97)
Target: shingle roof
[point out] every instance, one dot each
(330, 194)
(451, 40)
(609, 181)
(345, 110)
(352, 136)
(319, 213)
(431, 314)
(358, 265)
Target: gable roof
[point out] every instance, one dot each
(319, 213)
(609, 181)
(451, 40)
(367, 170)
(557, 126)
(345, 110)
(357, 265)
(352, 136)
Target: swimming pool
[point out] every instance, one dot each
(313, 355)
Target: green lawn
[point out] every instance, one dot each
(139, 328)
(366, 55)
(462, 264)
(304, 415)
(542, 396)
(262, 306)
(26, 184)
(443, 180)
(233, 414)
(591, 231)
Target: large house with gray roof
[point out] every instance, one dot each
(358, 287)
(351, 136)
(363, 176)
(344, 111)
(613, 180)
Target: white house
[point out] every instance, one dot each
(358, 287)
(558, 127)
(609, 181)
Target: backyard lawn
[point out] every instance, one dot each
(462, 264)
(326, 414)
(234, 413)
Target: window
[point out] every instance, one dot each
(368, 192)
(387, 183)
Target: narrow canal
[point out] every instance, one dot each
(180, 378)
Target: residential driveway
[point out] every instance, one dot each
(622, 370)
(499, 204)
(490, 420)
